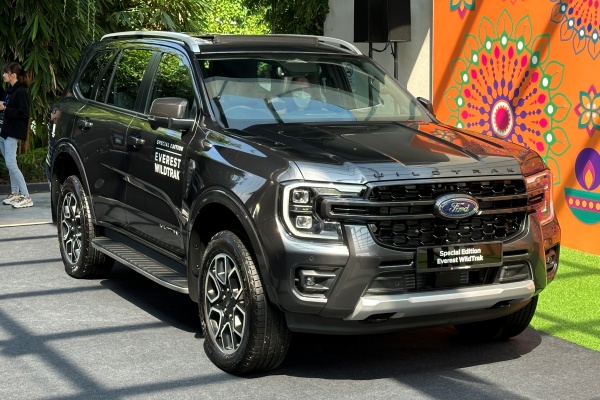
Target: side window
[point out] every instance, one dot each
(173, 79)
(104, 85)
(87, 81)
(127, 78)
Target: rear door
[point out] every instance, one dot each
(156, 159)
(101, 126)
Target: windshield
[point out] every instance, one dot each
(250, 90)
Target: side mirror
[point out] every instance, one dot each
(169, 112)
(427, 104)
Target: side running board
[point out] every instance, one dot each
(141, 263)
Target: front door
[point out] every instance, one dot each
(156, 162)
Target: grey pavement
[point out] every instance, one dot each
(126, 337)
(38, 214)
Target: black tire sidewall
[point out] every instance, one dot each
(500, 328)
(73, 185)
(227, 243)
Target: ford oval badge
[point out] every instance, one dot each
(455, 206)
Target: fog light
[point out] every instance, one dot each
(314, 282)
(551, 260)
(304, 222)
(550, 254)
(514, 273)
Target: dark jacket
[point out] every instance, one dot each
(16, 114)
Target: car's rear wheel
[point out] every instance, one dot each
(500, 328)
(243, 332)
(75, 232)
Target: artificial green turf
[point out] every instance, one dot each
(569, 307)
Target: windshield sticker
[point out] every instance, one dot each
(167, 159)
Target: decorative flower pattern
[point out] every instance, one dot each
(580, 23)
(585, 204)
(505, 86)
(588, 110)
(462, 6)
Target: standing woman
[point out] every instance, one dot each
(16, 117)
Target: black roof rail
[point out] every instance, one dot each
(308, 39)
(194, 41)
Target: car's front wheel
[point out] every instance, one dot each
(75, 232)
(500, 328)
(243, 332)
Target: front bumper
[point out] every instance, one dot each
(347, 306)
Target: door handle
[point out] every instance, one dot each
(135, 141)
(84, 124)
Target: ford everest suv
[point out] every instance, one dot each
(289, 184)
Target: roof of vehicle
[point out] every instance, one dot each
(223, 43)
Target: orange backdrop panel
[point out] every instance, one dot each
(527, 71)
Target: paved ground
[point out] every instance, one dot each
(38, 214)
(127, 338)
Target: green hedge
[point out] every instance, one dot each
(31, 165)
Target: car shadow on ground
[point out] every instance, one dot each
(423, 351)
(173, 308)
(411, 352)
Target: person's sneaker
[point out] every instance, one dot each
(23, 202)
(11, 199)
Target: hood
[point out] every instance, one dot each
(369, 152)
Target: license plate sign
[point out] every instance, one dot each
(446, 258)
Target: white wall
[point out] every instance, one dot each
(414, 57)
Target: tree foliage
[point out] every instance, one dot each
(234, 16)
(305, 17)
(33, 33)
(180, 15)
(48, 36)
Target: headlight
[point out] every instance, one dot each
(300, 206)
(539, 193)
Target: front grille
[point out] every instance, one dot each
(439, 232)
(402, 216)
(430, 191)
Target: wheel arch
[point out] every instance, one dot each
(217, 210)
(65, 162)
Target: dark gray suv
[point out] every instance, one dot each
(289, 184)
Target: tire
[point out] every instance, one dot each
(243, 332)
(500, 328)
(76, 231)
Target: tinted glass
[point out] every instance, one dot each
(104, 84)
(173, 79)
(87, 81)
(128, 78)
(247, 90)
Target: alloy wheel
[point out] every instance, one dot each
(225, 305)
(71, 227)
